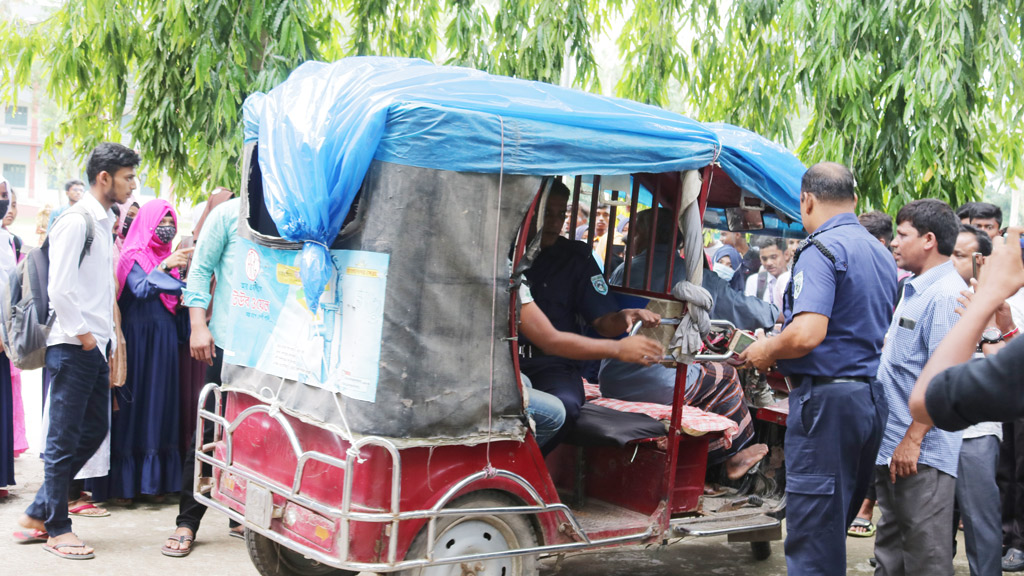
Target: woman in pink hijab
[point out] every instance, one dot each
(144, 454)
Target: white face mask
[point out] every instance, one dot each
(724, 271)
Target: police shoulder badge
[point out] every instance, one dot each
(798, 284)
(599, 284)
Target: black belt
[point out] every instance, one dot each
(817, 380)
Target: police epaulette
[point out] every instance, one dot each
(825, 251)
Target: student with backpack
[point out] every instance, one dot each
(81, 294)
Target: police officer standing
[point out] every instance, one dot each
(837, 309)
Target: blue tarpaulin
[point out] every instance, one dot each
(320, 129)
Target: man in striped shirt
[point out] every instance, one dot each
(917, 465)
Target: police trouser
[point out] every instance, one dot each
(833, 433)
(564, 382)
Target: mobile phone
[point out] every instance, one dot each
(740, 341)
(975, 264)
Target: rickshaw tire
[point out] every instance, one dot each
(271, 559)
(761, 550)
(521, 527)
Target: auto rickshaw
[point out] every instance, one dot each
(371, 416)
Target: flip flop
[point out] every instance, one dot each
(81, 511)
(869, 528)
(178, 552)
(31, 536)
(56, 551)
(236, 534)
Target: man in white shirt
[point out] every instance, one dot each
(82, 298)
(770, 284)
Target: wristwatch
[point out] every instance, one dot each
(991, 335)
(164, 267)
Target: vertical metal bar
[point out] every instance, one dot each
(674, 247)
(634, 198)
(672, 455)
(575, 207)
(592, 225)
(649, 270)
(609, 243)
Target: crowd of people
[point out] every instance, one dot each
(854, 313)
(127, 353)
(857, 315)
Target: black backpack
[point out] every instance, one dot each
(28, 320)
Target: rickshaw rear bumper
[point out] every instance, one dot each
(340, 528)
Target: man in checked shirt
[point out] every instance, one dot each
(916, 467)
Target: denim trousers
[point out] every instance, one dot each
(547, 412)
(79, 403)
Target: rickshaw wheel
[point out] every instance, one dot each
(272, 559)
(761, 550)
(462, 535)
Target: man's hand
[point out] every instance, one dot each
(758, 353)
(1003, 273)
(904, 458)
(88, 341)
(634, 315)
(201, 344)
(179, 259)
(1003, 317)
(639, 350)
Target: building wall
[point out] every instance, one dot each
(21, 141)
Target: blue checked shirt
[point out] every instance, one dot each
(923, 318)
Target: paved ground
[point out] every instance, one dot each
(128, 542)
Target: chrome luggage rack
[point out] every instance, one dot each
(258, 519)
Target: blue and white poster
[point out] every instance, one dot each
(273, 331)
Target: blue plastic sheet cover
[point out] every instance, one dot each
(319, 130)
(762, 168)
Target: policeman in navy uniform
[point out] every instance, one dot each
(837, 309)
(569, 288)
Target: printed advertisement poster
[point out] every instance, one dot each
(273, 331)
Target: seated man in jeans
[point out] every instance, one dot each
(713, 387)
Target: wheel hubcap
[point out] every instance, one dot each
(475, 536)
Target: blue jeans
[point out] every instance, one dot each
(547, 412)
(978, 495)
(79, 400)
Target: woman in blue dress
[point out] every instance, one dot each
(145, 457)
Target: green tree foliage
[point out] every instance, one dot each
(919, 98)
(172, 73)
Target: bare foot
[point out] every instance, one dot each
(744, 460)
(26, 521)
(77, 548)
(174, 543)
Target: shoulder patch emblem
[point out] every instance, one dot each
(798, 284)
(599, 284)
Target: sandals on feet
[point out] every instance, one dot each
(868, 528)
(178, 552)
(31, 536)
(56, 550)
(88, 510)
